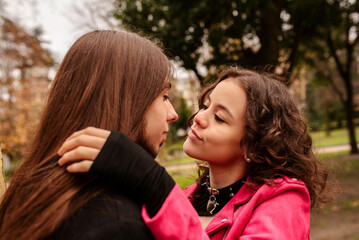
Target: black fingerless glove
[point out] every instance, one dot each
(123, 162)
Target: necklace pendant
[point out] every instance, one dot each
(211, 204)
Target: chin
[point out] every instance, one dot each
(187, 150)
(148, 147)
(185, 147)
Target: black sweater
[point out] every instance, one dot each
(110, 215)
(129, 177)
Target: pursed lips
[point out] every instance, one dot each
(193, 134)
(164, 135)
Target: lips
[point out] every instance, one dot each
(193, 135)
(164, 136)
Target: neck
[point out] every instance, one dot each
(222, 176)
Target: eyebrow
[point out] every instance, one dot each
(224, 108)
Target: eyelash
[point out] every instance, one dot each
(166, 97)
(204, 107)
(218, 119)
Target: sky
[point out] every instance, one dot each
(60, 22)
(57, 18)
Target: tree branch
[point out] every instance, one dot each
(335, 55)
(349, 45)
(337, 91)
(292, 59)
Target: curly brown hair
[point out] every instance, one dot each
(276, 135)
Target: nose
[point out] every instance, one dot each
(200, 119)
(172, 115)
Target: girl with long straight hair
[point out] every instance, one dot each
(108, 79)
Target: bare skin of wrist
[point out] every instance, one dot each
(81, 148)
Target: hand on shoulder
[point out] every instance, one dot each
(81, 148)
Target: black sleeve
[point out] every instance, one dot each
(108, 215)
(130, 167)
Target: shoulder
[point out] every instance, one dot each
(107, 216)
(277, 211)
(286, 184)
(190, 189)
(283, 189)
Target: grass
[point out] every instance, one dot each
(336, 137)
(184, 177)
(178, 146)
(180, 160)
(331, 155)
(339, 219)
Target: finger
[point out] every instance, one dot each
(77, 154)
(82, 140)
(91, 131)
(83, 166)
(75, 134)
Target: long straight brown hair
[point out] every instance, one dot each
(107, 80)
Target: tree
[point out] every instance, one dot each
(93, 14)
(337, 40)
(348, 24)
(23, 86)
(203, 36)
(331, 37)
(184, 113)
(323, 106)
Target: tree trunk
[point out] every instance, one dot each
(349, 109)
(346, 77)
(271, 26)
(326, 119)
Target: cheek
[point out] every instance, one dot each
(226, 145)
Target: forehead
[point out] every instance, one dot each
(231, 95)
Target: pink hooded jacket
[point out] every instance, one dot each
(280, 212)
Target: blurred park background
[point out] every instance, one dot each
(311, 45)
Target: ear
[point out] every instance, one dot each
(243, 147)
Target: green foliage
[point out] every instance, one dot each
(180, 160)
(184, 113)
(291, 34)
(184, 177)
(319, 101)
(229, 30)
(176, 146)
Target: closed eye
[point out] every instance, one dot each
(218, 119)
(204, 107)
(166, 98)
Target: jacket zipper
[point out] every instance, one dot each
(225, 234)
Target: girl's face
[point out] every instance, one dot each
(218, 128)
(158, 116)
